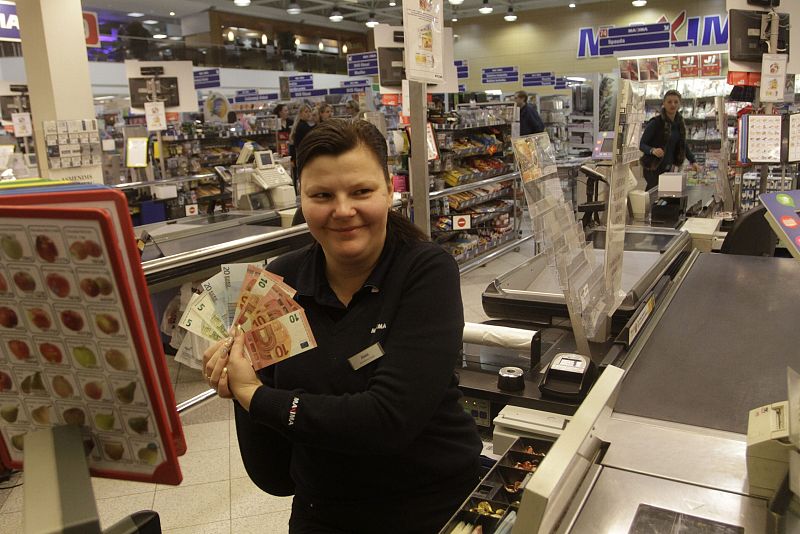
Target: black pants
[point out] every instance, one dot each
(415, 514)
(651, 177)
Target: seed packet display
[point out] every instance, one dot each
(73, 359)
(82, 246)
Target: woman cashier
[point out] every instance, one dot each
(366, 430)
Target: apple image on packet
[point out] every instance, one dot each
(46, 248)
(58, 285)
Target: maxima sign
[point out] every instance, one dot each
(9, 24)
(606, 40)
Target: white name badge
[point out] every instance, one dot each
(370, 354)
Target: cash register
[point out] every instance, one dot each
(266, 184)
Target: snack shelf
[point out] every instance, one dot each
(475, 218)
(459, 205)
(458, 127)
(489, 150)
(479, 182)
(183, 137)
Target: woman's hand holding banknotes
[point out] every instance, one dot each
(228, 371)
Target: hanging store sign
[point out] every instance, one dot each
(9, 25)
(303, 93)
(423, 40)
(206, 79)
(500, 75)
(462, 68)
(690, 66)
(355, 83)
(355, 90)
(711, 64)
(664, 33)
(301, 82)
(364, 64)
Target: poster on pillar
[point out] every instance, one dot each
(385, 37)
(422, 31)
(177, 85)
(155, 116)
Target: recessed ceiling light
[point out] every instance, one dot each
(454, 19)
(171, 13)
(344, 48)
(510, 16)
(336, 15)
(485, 9)
(371, 22)
(456, 2)
(639, 3)
(159, 36)
(241, 3)
(392, 3)
(231, 36)
(572, 5)
(294, 8)
(297, 41)
(175, 38)
(264, 39)
(321, 46)
(136, 14)
(150, 21)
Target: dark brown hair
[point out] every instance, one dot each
(335, 137)
(671, 92)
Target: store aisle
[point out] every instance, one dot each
(216, 496)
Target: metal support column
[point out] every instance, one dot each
(418, 162)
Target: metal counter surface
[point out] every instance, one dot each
(722, 345)
(612, 504)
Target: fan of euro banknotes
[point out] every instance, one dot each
(275, 326)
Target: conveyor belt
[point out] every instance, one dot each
(722, 346)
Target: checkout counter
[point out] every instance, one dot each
(660, 444)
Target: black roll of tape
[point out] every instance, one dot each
(510, 379)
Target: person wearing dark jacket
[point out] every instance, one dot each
(664, 141)
(366, 430)
(529, 120)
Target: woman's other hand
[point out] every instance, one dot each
(215, 360)
(658, 152)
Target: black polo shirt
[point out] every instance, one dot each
(393, 427)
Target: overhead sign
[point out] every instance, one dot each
(255, 96)
(206, 79)
(462, 68)
(355, 90)
(690, 66)
(500, 75)
(462, 88)
(302, 93)
(364, 64)
(355, 83)
(680, 31)
(245, 92)
(9, 25)
(303, 81)
(711, 64)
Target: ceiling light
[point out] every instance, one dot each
(230, 35)
(293, 9)
(572, 5)
(639, 3)
(150, 21)
(485, 9)
(344, 48)
(510, 16)
(171, 13)
(454, 19)
(297, 41)
(336, 15)
(241, 3)
(321, 46)
(159, 36)
(456, 2)
(175, 38)
(371, 22)
(576, 78)
(264, 39)
(392, 3)
(136, 15)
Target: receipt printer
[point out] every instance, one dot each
(767, 448)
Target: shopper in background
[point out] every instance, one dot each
(664, 141)
(529, 120)
(324, 112)
(381, 447)
(300, 129)
(282, 111)
(353, 109)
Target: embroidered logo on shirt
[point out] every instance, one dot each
(293, 410)
(379, 326)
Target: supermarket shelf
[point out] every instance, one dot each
(472, 185)
(489, 255)
(699, 119)
(212, 137)
(178, 180)
(483, 198)
(457, 127)
(581, 145)
(704, 140)
(475, 151)
(580, 127)
(475, 219)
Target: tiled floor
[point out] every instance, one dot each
(216, 495)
